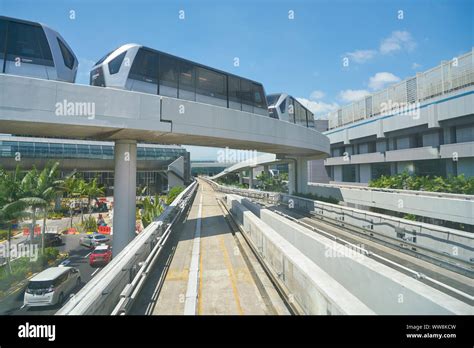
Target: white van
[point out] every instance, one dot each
(51, 286)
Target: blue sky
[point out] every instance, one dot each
(302, 56)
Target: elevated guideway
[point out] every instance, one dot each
(35, 107)
(216, 253)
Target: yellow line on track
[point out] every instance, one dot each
(228, 265)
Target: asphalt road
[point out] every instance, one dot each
(78, 257)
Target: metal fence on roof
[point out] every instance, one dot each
(448, 77)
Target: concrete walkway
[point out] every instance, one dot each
(224, 283)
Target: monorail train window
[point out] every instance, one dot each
(300, 114)
(187, 77)
(283, 106)
(291, 110)
(116, 63)
(145, 66)
(246, 93)
(235, 100)
(29, 42)
(104, 58)
(258, 96)
(211, 83)
(3, 35)
(67, 55)
(310, 118)
(272, 99)
(168, 76)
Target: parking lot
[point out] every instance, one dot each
(79, 258)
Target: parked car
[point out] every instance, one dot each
(50, 239)
(102, 255)
(51, 286)
(93, 240)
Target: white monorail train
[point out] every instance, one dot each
(286, 108)
(35, 50)
(138, 68)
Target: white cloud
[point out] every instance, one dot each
(351, 95)
(361, 56)
(397, 41)
(318, 107)
(415, 66)
(381, 79)
(315, 95)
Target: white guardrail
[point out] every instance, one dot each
(116, 286)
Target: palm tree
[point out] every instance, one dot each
(93, 191)
(81, 192)
(70, 187)
(151, 209)
(11, 208)
(40, 189)
(49, 186)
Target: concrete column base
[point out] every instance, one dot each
(125, 182)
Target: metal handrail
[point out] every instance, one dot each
(103, 292)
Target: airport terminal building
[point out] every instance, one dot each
(157, 165)
(423, 125)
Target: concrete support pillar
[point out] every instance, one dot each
(298, 175)
(241, 177)
(250, 178)
(125, 182)
(266, 169)
(302, 175)
(291, 178)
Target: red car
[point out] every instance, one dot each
(102, 254)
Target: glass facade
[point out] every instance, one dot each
(8, 149)
(179, 78)
(154, 181)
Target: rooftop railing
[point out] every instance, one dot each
(450, 76)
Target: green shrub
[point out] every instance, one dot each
(405, 181)
(174, 192)
(151, 209)
(3, 234)
(89, 224)
(316, 197)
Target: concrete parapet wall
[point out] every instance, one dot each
(437, 239)
(311, 287)
(383, 289)
(427, 204)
